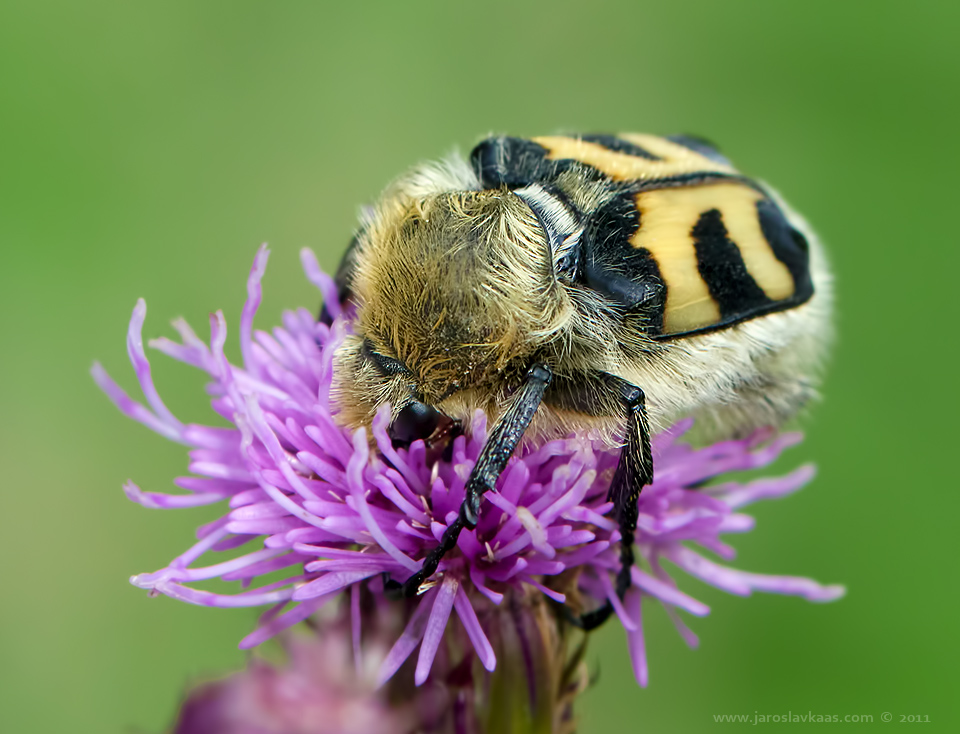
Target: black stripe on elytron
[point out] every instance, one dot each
(518, 162)
(627, 275)
(616, 145)
(697, 178)
(789, 246)
(722, 268)
(702, 146)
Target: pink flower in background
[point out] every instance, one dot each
(310, 695)
(329, 682)
(314, 513)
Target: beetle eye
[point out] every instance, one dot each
(415, 421)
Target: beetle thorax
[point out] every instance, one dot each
(459, 287)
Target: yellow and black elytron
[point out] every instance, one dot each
(600, 283)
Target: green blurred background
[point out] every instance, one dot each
(147, 149)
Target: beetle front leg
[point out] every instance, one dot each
(501, 443)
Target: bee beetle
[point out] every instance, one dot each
(566, 284)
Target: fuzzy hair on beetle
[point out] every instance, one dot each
(573, 284)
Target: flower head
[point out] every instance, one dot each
(316, 503)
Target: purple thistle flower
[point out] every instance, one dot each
(316, 502)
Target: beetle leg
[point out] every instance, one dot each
(634, 471)
(501, 443)
(601, 393)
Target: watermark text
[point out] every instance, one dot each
(812, 717)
